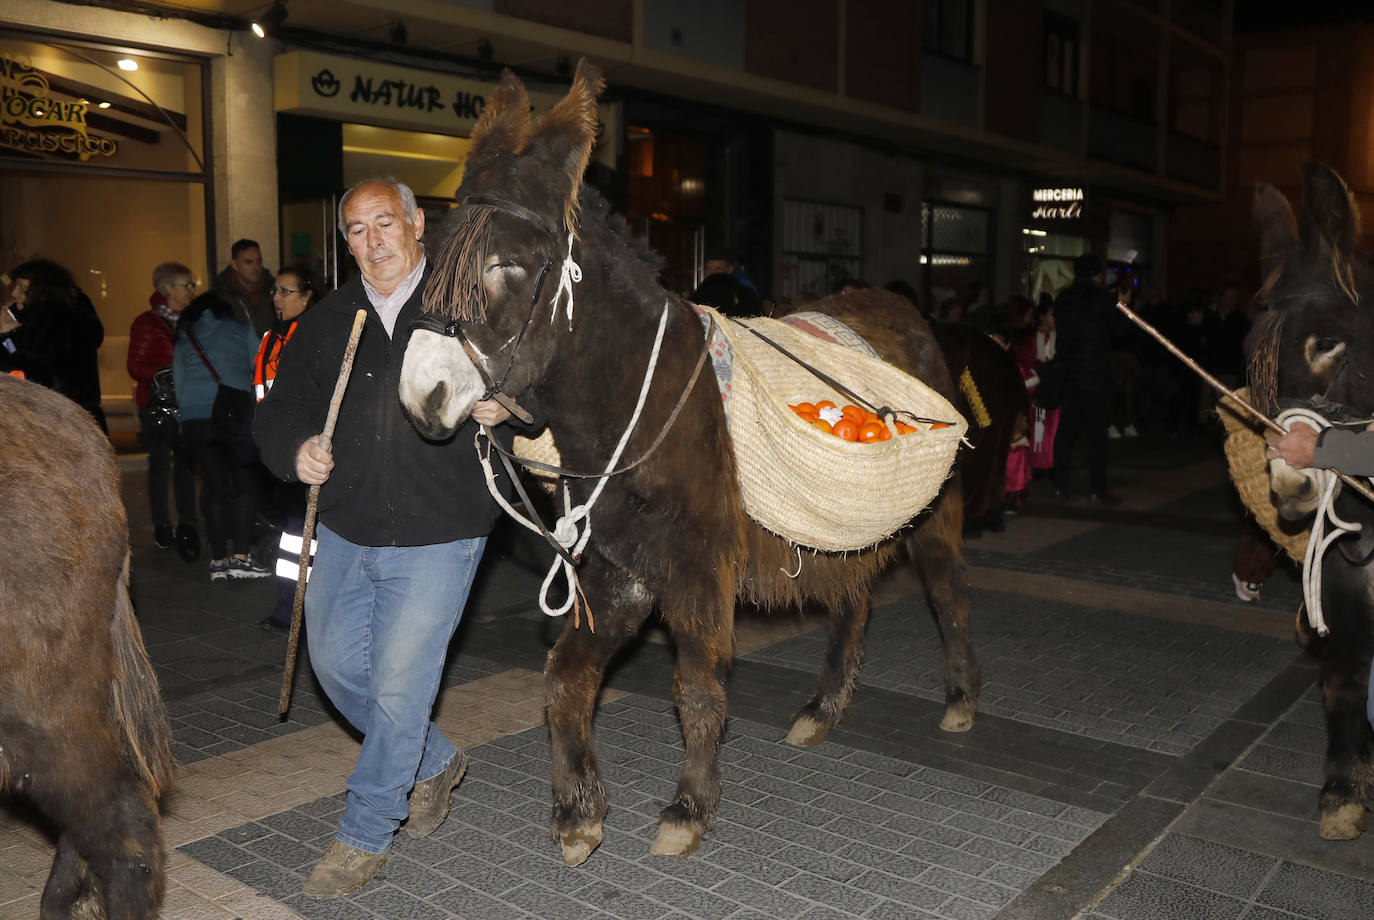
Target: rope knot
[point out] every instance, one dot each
(570, 274)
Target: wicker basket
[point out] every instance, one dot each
(803, 484)
(1250, 473)
(811, 487)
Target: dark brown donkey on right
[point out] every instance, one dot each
(83, 732)
(1314, 349)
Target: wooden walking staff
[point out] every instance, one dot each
(1220, 387)
(312, 508)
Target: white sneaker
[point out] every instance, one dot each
(1248, 591)
(1130, 432)
(1113, 433)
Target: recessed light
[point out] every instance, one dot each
(127, 64)
(103, 105)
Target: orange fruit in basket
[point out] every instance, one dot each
(873, 431)
(904, 428)
(934, 425)
(854, 412)
(847, 429)
(803, 407)
(822, 424)
(824, 404)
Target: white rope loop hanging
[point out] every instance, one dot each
(1327, 484)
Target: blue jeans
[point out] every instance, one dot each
(379, 622)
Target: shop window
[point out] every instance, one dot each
(822, 246)
(102, 170)
(666, 200)
(1061, 54)
(955, 250)
(949, 28)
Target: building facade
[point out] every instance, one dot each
(946, 143)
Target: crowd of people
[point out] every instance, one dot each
(233, 385)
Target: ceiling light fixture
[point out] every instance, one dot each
(127, 64)
(270, 21)
(103, 105)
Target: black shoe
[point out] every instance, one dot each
(188, 543)
(162, 536)
(1064, 494)
(1104, 499)
(272, 625)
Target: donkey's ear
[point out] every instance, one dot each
(505, 123)
(565, 133)
(1330, 215)
(1277, 227)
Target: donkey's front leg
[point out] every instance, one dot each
(572, 677)
(704, 645)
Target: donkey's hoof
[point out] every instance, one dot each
(807, 732)
(678, 840)
(579, 843)
(959, 717)
(1344, 822)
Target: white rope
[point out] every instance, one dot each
(1327, 483)
(570, 274)
(566, 531)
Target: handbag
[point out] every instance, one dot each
(232, 412)
(163, 412)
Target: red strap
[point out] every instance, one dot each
(206, 361)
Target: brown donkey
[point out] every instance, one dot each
(670, 534)
(83, 732)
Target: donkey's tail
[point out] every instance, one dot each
(135, 695)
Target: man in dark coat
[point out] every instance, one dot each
(1088, 325)
(402, 525)
(247, 286)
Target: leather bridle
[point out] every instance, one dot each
(495, 387)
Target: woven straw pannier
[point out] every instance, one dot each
(805, 485)
(1250, 474)
(809, 486)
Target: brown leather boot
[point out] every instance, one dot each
(429, 799)
(342, 869)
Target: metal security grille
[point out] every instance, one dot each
(822, 244)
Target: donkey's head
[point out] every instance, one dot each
(502, 257)
(1315, 346)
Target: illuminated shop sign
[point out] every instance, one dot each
(1057, 204)
(33, 120)
(373, 93)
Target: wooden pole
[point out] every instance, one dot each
(312, 508)
(1220, 387)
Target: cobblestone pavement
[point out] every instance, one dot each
(1147, 748)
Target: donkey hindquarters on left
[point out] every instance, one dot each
(83, 732)
(670, 534)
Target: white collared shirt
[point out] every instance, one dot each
(388, 308)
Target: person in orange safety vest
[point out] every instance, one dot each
(295, 290)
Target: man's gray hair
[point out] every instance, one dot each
(168, 272)
(408, 203)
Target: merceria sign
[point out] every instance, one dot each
(33, 121)
(1057, 204)
(373, 93)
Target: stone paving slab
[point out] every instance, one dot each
(1115, 677)
(824, 832)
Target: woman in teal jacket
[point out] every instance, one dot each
(213, 349)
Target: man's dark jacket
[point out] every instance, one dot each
(1087, 326)
(389, 486)
(258, 313)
